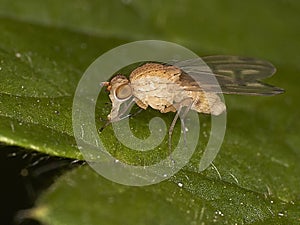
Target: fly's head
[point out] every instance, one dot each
(120, 91)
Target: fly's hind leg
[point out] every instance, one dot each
(188, 102)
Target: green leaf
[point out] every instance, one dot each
(82, 196)
(267, 29)
(39, 73)
(44, 50)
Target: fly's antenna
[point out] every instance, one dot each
(105, 84)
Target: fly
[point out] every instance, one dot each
(185, 84)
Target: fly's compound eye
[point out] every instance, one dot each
(123, 92)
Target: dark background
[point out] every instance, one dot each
(25, 174)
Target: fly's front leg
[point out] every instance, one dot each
(117, 113)
(124, 110)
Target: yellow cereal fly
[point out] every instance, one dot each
(169, 88)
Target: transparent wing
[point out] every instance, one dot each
(235, 75)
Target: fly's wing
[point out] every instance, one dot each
(234, 75)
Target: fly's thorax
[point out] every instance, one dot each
(157, 85)
(158, 92)
(156, 70)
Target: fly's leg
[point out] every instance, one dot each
(184, 103)
(136, 113)
(120, 116)
(172, 128)
(142, 105)
(182, 118)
